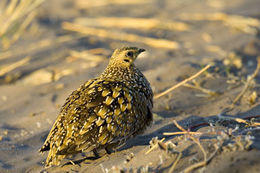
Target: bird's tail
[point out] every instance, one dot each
(53, 158)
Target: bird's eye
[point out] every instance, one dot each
(129, 53)
(126, 60)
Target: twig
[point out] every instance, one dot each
(200, 146)
(254, 116)
(202, 163)
(239, 120)
(246, 122)
(159, 43)
(72, 162)
(154, 146)
(181, 133)
(182, 82)
(206, 159)
(175, 163)
(179, 127)
(204, 90)
(13, 66)
(238, 97)
(192, 138)
(198, 125)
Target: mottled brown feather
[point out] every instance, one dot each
(103, 112)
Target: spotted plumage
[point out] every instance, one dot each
(104, 112)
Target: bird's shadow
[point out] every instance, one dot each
(79, 161)
(193, 121)
(146, 138)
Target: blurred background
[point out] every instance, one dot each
(49, 47)
(41, 34)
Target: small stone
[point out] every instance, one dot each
(38, 124)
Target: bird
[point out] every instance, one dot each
(104, 112)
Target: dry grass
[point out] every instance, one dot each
(155, 145)
(226, 141)
(247, 84)
(206, 160)
(132, 23)
(182, 82)
(9, 67)
(15, 17)
(86, 55)
(245, 24)
(103, 33)
(196, 85)
(240, 120)
(87, 4)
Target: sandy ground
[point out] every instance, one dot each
(31, 95)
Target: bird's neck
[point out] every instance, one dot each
(120, 73)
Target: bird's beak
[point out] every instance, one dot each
(140, 50)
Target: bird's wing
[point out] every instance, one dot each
(90, 117)
(60, 125)
(98, 113)
(108, 121)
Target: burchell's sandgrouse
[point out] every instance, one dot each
(104, 112)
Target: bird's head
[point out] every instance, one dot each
(125, 56)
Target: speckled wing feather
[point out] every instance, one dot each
(98, 114)
(57, 134)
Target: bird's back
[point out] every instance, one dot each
(100, 113)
